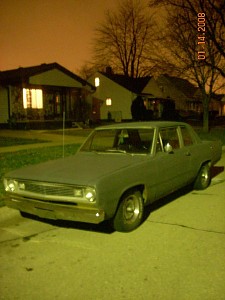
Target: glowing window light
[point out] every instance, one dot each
(108, 101)
(97, 81)
(32, 98)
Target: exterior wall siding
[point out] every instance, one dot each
(4, 116)
(170, 91)
(54, 78)
(152, 88)
(121, 98)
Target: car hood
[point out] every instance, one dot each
(82, 168)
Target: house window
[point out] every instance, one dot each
(97, 81)
(32, 98)
(108, 101)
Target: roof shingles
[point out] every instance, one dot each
(22, 75)
(135, 85)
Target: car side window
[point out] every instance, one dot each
(146, 137)
(168, 136)
(135, 140)
(187, 138)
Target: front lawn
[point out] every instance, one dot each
(213, 134)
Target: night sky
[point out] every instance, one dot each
(33, 32)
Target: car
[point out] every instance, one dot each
(115, 174)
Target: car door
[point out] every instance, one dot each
(193, 150)
(172, 160)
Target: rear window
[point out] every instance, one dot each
(187, 138)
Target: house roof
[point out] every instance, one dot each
(20, 75)
(135, 85)
(182, 84)
(218, 97)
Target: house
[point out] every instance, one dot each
(114, 95)
(45, 95)
(218, 104)
(180, 90)
(187, 97)
(42, 96)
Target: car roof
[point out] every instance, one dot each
(150, 124)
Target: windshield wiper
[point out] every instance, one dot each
(116, 150)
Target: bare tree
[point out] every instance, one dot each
(87, 70)
(214, 11)
(215, 25)
(191, 50)
(125, 38)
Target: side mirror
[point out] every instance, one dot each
(168, 148)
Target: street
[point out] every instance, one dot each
(178, 253)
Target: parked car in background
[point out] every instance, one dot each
(117, 171)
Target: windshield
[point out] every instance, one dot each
(120, 140)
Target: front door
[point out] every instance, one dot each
(95, 113)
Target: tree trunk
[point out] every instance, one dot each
(206, 117)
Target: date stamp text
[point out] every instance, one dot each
(201, 36)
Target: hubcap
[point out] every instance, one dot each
(131, 209)
(205, 176)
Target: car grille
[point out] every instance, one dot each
(48, 189)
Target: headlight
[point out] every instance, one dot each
(90, 194)
(86, 193)
(10, 185)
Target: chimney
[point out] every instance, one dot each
(109, 70)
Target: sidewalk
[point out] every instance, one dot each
(52, 139)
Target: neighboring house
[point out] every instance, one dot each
(114, 95)
(218, 104)
(178, 89)
(41, 94)
(187, 97)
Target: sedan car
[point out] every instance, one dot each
(117, 171)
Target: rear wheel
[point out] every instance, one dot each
(204, 178)
(130, 212)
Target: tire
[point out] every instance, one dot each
(203, 179)
(129, 214)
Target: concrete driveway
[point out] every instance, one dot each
(177, 254)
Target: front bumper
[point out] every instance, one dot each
(55, 211)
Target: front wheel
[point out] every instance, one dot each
(204, 178)
(130, 212)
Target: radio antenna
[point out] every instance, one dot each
(63, 132)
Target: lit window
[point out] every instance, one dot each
(97, 81)
(108, 101)
(32, 98)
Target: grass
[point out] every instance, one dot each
(14, 160)
(213, 134)
(12, 141)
